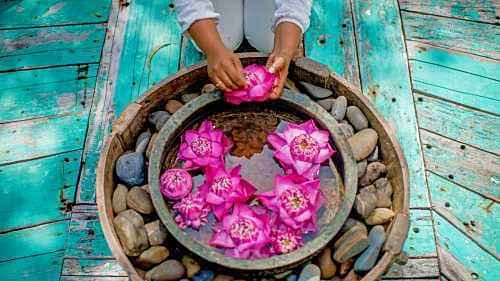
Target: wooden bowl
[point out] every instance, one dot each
(134, 119)
(339, 198)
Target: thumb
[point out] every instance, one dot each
(277, 64)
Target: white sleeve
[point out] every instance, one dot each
(294, 11)
(189, 11)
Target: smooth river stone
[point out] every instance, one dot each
(366, 201)
(346, 129)
(150, 145)
(384, 193)
(130, 229)
(361, 165)
(191, 265)
(368, 258)
(326, 264)
(326, 103)
(130, 168)
(119, 199)
(379, 216)
(169, 270)
(158, 119)
(139, 200)
(157, 233)
(363, 143)
(172, 106)
(310, 272)
(349, 223)
(152, 256)
(339, 108)
(208, 88)
(185, 98)
(315, 91)
(351, 243)
(356, 117)
(374, 171)
(142, 141)
(374, 155)
(204, 275)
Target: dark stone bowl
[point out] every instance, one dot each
(339, 194)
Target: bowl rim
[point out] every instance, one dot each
(349, 178)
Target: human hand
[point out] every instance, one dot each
(278, 64)
(225, 70)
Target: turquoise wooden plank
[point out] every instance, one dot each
(189, 54)
(37, 77)
(457, 86)
(151, 50)
(464, 62)
(46, 267)
(471, 213)
(93, 278)
(472, 37)
(41, 47)
(33, 13)
(33, 241)
(41, 137)
(459, 123)
(38, 191)
(85, 236)
(476, 10)
(330, 38)
(385, 79)
(92, 267)
(462, 164)
(46, 99)
(481, 265)
(420, 241)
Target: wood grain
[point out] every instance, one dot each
(414, 268)
(420, 242)
(471, 37)
(41, 267)
(467, 166)
(330, 38)
(92, 267)
(478, 129)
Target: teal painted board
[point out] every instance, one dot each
(481, 265)
(38, 191)
(386, 81)
(41, 47)
(475, 128)
(476, 10)
(330, 38)
(92, 267)
(35, 13)
(467, 36)
(189, 54)
(46, 267)
(93, 278)
(456, 60)
(473, 214)
(151, 50)
(46, 99)
(420, 241)
(457, 86)
(85, 237)
(469, 167)
(33, 241)
(53, 75)
(41, 137)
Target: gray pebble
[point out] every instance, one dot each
(326, 103)
(310, 272)
(339, 108)
(356, 118)
(315, 91)
(368, 258)
(158, 119)
(119, 199)
(130, 168)
(374, 156)
(142, 141)
(346, 129)
(361, 165)
(139, 200)
(185, 98)
(129, 227)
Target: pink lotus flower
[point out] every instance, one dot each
(223, 189)
(175, 184)
(285, 240)
(191, 211)
(295, 202)
(203, 147)
(301, 148)
(244, 233)
(259, 84)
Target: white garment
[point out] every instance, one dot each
(254, 19)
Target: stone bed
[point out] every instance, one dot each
(354, 251)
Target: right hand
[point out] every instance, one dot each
(225, 70)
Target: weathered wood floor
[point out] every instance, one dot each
(68, 67)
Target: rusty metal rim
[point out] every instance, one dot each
(307, 106)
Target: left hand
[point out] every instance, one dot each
(278, 64)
